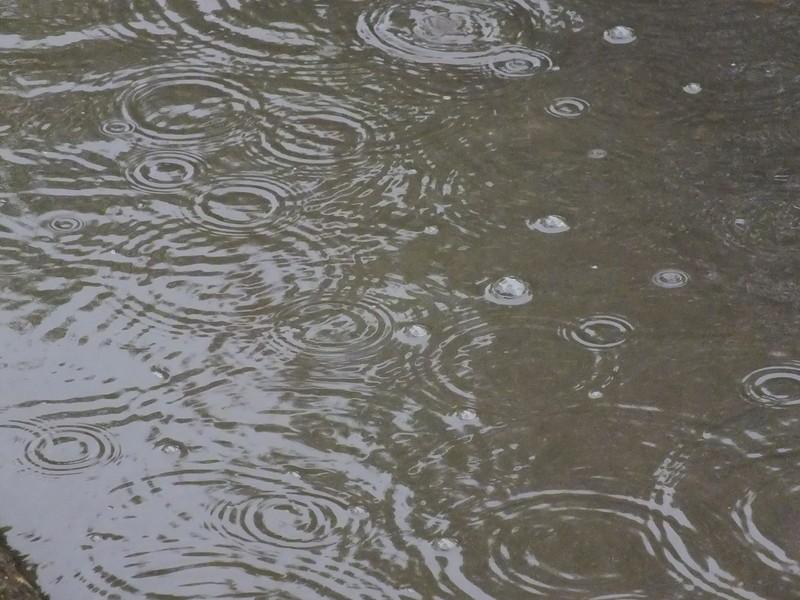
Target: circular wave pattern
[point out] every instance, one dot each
(61, 450)
(164, 171)
(63, 223)
(188, 107)
(244, 204)
(117, 127)
(464, 33)
(600, 332)
(316, 133)
(671, 278)
(478, 361)
(777, 386)
(288, 519)
(544, 544)
(568, 108)
(330, 329)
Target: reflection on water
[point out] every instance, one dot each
(401, 298)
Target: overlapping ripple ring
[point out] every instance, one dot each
(164, 171)
(529, 553)
(464, 33)
(316, 133)
(599, 332)
(291, 519)
(331, 329)
(66, 449)
(776, 386)
(188, 106)
(736, 491)
(243, 204)
(477, 360)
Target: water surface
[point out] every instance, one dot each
(401, 299)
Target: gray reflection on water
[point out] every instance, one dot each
(282, 318)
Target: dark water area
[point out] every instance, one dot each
(401, 299)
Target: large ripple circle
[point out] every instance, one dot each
(316, 133)
(331, 329)
(776, 386)
(244, 204)
(186, 106)
(287, 519)
(58, 450)
(564, 544)
(517, 359)
(460, 33)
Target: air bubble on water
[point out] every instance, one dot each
(619, 34)
(160, 372)
(467, 414)
(595, 394)
(413, 334)
(549, 224)
(508, 290)
(431, 230)
(597, 153)
(445, 544)
(693, 88)
(170, 446)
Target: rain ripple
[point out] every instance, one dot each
(56, 450)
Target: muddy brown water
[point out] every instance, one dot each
(401, 299)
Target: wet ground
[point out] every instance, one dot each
(408, 299)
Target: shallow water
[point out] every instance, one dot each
(404, 299)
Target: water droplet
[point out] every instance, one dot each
(445, 544)
(693, 88)
(597, 153)
(170, 446)
(619, 34)
(467, 414)
(549, 224)
(670, 278)
(414, 334)
(508, 290)
(97, 536)
(160, 372)
(567, 108)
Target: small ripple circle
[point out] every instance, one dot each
(599, 332)
(164, 171)
(59, 450)
(670, 278)
(776, 386)
(568, 108)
